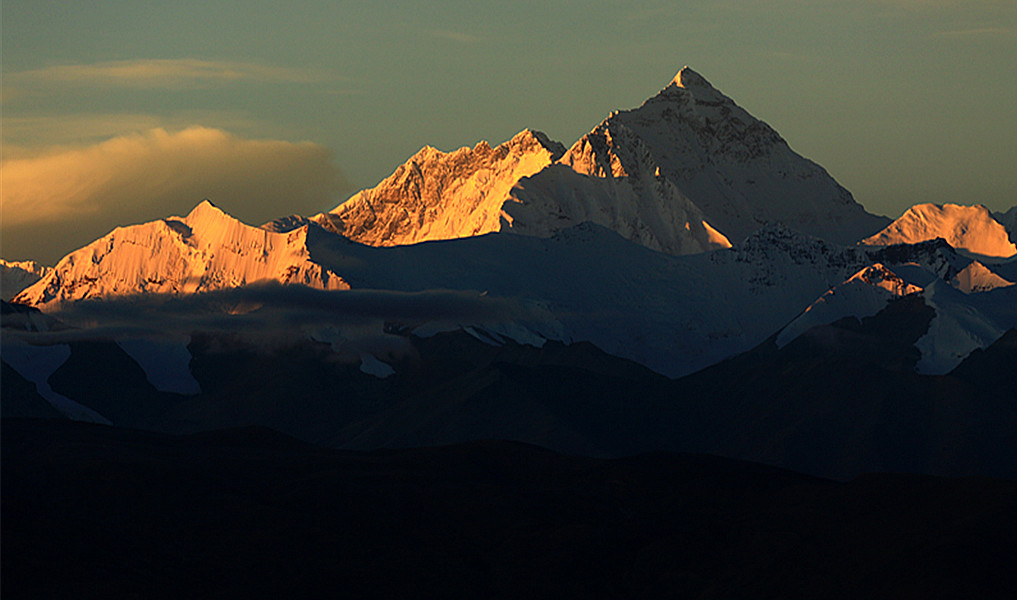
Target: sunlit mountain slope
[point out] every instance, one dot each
(968, 228)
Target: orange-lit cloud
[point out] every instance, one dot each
(87, 191)
(158, 73)
(31, 136)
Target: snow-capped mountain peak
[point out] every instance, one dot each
(862, 295)
(687, 78)
(437, 195)
(687, 171)
(976, 277)
(968, 228)
(206, 212)
(737, 171)
(691, 83)
(879, 276)
(206, 250)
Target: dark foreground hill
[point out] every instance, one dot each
(92, 511)
(840, 400)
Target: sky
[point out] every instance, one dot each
(118, 112)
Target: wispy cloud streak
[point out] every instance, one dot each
(157, 168)
(162, 73)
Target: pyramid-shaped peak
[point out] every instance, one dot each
(206, 212)
(532, 137)
(530, 134)
(203, 207)
(878, 275)
(687, 78)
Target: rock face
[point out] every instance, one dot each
(438, 196)
(206, 250)
(735, 168)
(969, 228)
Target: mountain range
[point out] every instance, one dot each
(674, 359)
(686, 172)
(677, 249)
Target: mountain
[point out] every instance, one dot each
(838, 400)
(735, 168)
(585, 283)
(649, 211)
(439, 196)
(689, 171)
(852, 396)
(864, 294)
(513, 187)
(206, 250)
(1008, 220)
(27, 318)
(976, 277)
(968, 228)
(588, 301)
(963, 324)
(18, 275)
(673, 314)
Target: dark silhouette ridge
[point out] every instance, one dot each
(93, 511)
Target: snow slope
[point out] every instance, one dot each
(206, 250)
(438, 196)
(674, 314)
(735, 168)
(963, 323)
(968, 228)
(688, 171)
(18, 275)
(648, 210)
(976, 278)
(166, 363)
(863, 295)
(36, 364)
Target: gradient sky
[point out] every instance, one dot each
(117, 112)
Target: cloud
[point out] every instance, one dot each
(165, 73)
(272, 305)
(139, 177)
(273, 315)
(32, 136)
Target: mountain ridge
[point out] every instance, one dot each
(675, 314)
(206, 250)
(437, 195)
(735, 168)
(968, 228)
(15, 276)
(687, 171)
